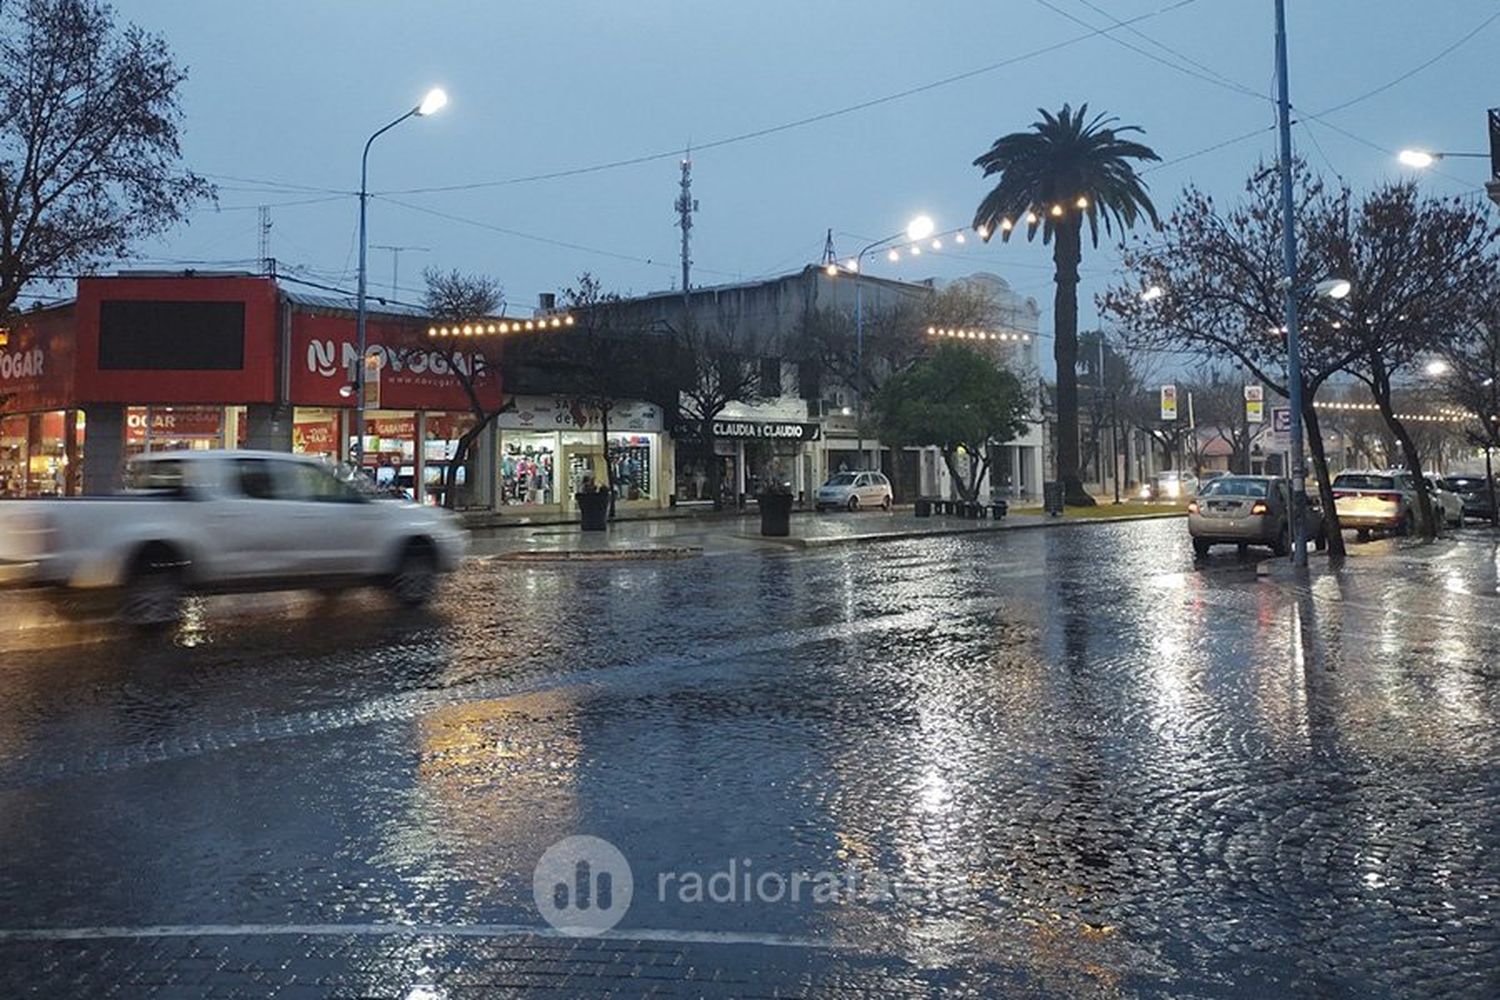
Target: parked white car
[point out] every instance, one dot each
(222, 521)
(855, 490)
(1374, 501)
(1446, 502)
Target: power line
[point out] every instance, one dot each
(537, 239)
(802, 122)
(1462, 40)
(1211, 76)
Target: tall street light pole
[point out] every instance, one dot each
(918, 229)
(1289, 266)
(432, 103)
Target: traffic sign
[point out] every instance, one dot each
(1169, 402)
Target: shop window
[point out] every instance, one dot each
(528, 468)
(13, 432)
(631, 465)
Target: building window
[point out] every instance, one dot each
(770, 377)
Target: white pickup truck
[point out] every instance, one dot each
(226, 521)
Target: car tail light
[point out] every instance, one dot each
(1193, 507)
(1259, 507)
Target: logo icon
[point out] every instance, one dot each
(582, 886)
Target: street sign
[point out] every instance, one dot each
(1169, 402)
(1281, 428)
(1255, 393)
(372, 381)
(1255, 411)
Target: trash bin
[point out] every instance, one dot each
(998, 508)
(924, 507)
(1052, 498)
(593, 509)
(775, 514)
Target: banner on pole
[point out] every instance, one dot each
(1169, 402)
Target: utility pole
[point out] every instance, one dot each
(686, 205)
(396, 252)
(264, 246)
(1289, 266)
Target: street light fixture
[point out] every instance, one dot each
(1421, 159)
(433, 102)
(1333, 288)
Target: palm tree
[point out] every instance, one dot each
(1066, 169)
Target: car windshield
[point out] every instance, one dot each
(1464, 484)
(1359, 481)
(1235, 487)
(843, 479)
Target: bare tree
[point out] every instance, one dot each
(1418, 265)
(711, 367)
(1472, 380)
(89, 153)
(603, 359)
(894, 339)
(456, 296)
(1215, 290)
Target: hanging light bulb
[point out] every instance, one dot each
(893, 256)
(1082, 202)
(1031, 218)
(1007, 225)
(1057, 210)
(958, 237)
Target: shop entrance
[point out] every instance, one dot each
(582, 462)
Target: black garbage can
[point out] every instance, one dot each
(1052, 498)
(924, 507)
(593, 509)
(998, 508)
(775, 514)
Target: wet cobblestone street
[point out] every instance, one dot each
(1038, 763)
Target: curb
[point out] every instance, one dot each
(600, 555)
(791, 541)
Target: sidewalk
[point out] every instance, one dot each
(685, 537)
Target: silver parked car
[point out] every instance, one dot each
(1248, 510)
(855, 490)
(1375, 501)
(1446, 502)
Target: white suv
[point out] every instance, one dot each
(853, 490)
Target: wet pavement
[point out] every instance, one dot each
(1022, 763)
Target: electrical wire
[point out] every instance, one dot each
(800, 122)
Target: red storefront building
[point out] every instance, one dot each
(143, 363)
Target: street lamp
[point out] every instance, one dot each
(918, 229)
(433, 102)
(1421, 159)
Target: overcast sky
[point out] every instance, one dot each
(283, 93)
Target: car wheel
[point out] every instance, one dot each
(415, 579)
(1201, 547)
(1362, 534)
(854, 503)
(1321, 542)
(885, 504)
(154, 591)
(1408, 523)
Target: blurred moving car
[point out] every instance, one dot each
(1375, 501)
(226, 521)
(853, 490)
(1170, 485)
(1474, 493)
(1448, 505)
(1249, 510)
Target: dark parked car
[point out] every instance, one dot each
(1474, 492)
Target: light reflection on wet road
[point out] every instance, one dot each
(1088, 767)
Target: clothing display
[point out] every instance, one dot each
(630, 467)
(526, 475)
